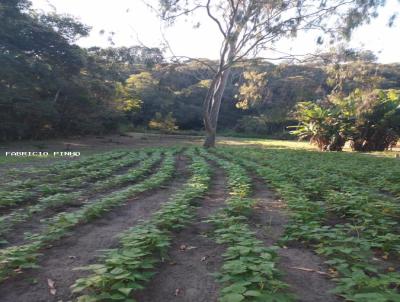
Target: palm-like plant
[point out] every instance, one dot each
(323, 126)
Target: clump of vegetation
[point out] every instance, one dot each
(370, 120)
(376, 119)
(249, 271)
(165, 124)
(320, 125)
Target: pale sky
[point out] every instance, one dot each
(140, 25)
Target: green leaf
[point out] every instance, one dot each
(232, 298)
(252, 293)
(125, 291)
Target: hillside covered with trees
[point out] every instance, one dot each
(51, 87)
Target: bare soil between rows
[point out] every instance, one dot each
(193, 257)
(81, 248)
(269, 221)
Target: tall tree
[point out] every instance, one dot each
(48, 85)
(250, 26)
(38, 60)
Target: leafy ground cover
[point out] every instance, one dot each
(341, 207)
(24, 256)
(62, 199)
(348, 221)
(249, 270)
(125, 269)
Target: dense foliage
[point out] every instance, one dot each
(46, 83)
(50, 86)
(370, 120)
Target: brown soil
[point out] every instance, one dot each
(186, 275)
(81, 248)
(298, 264)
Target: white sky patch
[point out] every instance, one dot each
(134, 23)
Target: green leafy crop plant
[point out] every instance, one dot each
(249, 270)
(21, 215)
(345, 224)
(58, 168)
(15, 258)
(365, 210)
(127, 268)
(62, 183)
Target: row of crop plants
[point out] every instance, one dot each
(375, 215)
(126, 269)
(15, 258)
(249, 271)
(21, 177)
(7, 222)
(347, 198)
(353, 229)
(380, 174)
(65, 179)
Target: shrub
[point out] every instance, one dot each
(165, 124)
(376, 120)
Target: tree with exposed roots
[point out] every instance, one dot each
(251, 26)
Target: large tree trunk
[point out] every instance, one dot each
(212, 104)
(209, 141)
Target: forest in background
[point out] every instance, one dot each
(51, 87)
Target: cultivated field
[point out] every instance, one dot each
(247, 221)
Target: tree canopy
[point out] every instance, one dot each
(250, 26)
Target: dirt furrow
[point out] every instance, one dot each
(193, 257)
(298, 264)
(82, 247)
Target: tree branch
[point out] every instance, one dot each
(221, 29)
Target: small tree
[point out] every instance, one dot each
(250, 26)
